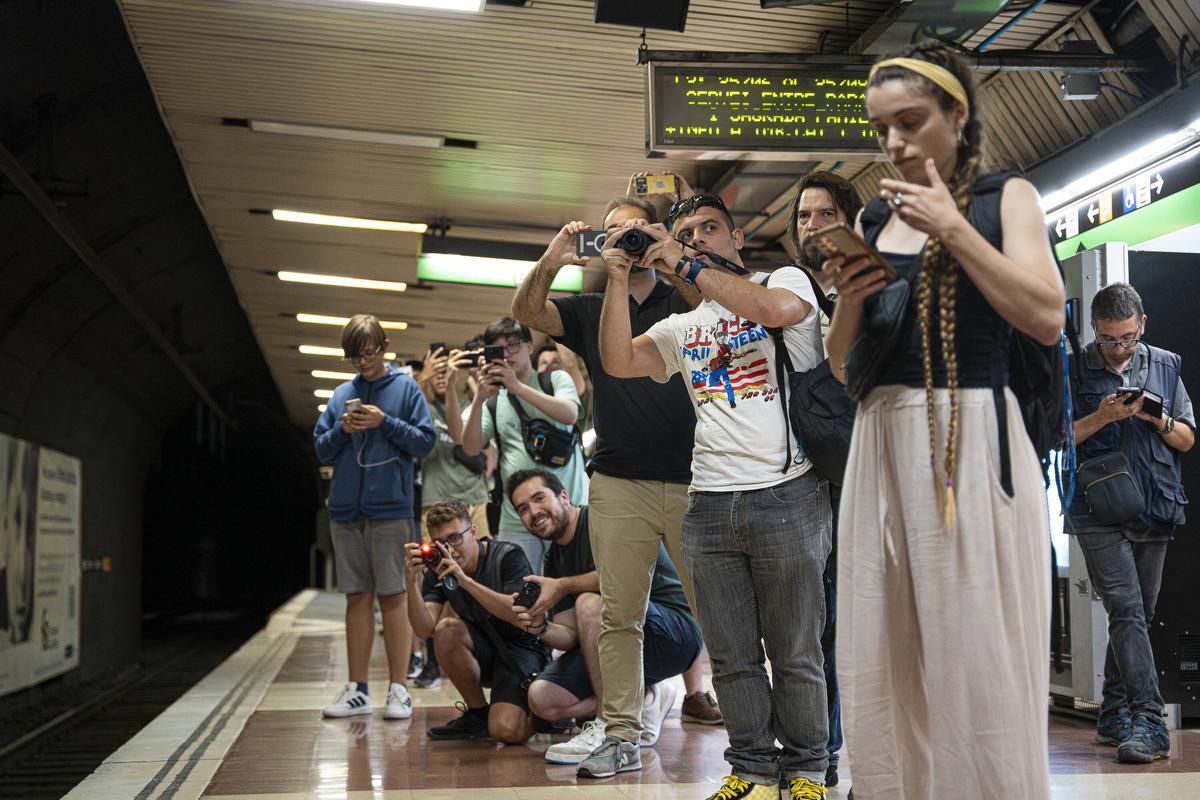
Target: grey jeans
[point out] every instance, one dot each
(1127, 575)
(756, 560)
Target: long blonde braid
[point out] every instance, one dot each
(939, 270)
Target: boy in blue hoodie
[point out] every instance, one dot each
(371, 430)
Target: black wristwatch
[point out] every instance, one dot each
(697, 267)
(1166, 429)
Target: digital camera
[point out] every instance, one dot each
(529, 594)
(634, 242)
(431, 554)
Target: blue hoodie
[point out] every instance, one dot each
(375, 492)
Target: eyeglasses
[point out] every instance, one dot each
(1124, 344)
(688, 205)
(361, 357)
(455, 539)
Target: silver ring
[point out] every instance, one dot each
(898, 199)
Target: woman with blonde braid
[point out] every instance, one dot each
(945, 608)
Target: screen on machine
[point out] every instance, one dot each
(749, 108)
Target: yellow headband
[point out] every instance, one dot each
(941, 76)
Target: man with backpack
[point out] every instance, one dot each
(530, 417)
(756, 534)
(824, 199)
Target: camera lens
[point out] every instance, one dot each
(634, 242)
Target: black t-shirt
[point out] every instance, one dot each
(504, 577)
(644, 430)
(575, 558)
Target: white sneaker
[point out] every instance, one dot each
(655, 706)
(350, 703)
(399, 704)
(579, 747)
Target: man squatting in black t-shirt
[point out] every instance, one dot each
(570, 592)
(485, 576)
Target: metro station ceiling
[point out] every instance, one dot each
(553, 103)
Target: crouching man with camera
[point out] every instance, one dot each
(477, 639)
(569, 589)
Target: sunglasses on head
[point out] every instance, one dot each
(688, 205)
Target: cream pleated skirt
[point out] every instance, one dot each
(943, 642)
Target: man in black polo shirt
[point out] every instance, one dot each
(641, 470)
(569, 590)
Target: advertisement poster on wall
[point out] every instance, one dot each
(39, 563)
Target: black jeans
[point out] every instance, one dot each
(1127, 575)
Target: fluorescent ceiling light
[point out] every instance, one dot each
(324, 394)
(321, 408)
(1120, 167)
(322, 319)
(449, 268)
(284, 215)
(333, 376)
(336, 352)
(342, 280)
(346, 134)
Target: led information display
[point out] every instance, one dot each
(740, 108)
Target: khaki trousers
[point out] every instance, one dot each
(628, 519)
(943, 646)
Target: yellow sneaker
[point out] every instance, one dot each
(804, 789)
(734, 788)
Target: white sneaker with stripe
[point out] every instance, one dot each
(350, 703)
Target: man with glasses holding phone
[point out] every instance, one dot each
(756, 533)
(1125, 558)
(371, 430)
(481, 643)
(520, 399)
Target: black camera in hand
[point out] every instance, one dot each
(634, 242)
(528, 595)
(431, 554)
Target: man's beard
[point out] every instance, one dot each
(810, 257)
(558, 526)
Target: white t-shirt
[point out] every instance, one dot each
(729, 365)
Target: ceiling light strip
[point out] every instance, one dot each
(335, 133)
(342, 280)
(336, 352)
(323, 319)
(308, 218)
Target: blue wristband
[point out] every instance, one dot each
(697, 266)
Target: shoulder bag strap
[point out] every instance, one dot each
(490, 630)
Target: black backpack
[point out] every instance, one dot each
(815, 404)
(1036, 373)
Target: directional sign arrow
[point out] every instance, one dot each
(1157, 183)
(1093, 210)
(1061, 227)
